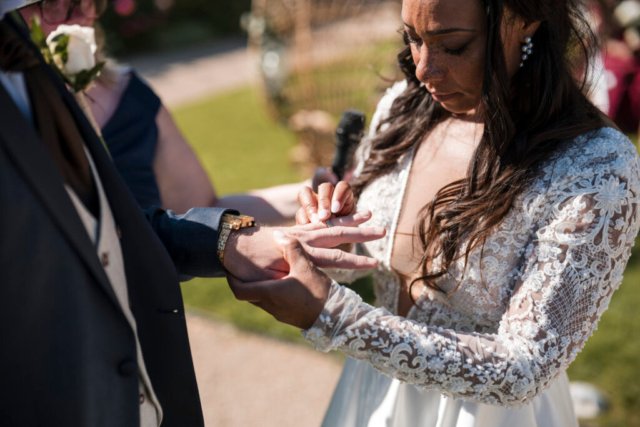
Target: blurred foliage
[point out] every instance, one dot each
(133, 26)
(338, 84)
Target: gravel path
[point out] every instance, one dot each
(245, 380)
(249, 380)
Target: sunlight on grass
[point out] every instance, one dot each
(241, 148)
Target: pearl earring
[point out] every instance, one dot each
(527, 50)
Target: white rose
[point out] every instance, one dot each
(80, 51)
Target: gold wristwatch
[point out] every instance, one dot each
(229, 223)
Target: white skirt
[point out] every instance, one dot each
(366, 398)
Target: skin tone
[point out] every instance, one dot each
(255, 254)
(447, 40)
(78, 17)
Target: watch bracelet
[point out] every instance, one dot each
(229, 223)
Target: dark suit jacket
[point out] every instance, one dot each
(67, 353)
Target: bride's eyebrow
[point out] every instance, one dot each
(443, 30)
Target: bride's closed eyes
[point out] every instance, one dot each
(455, 51)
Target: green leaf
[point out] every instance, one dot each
(82, 79)
(37, 34)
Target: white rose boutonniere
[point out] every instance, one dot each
(71, 50)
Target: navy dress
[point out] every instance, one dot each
(131, 134)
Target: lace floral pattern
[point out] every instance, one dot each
(522, 309)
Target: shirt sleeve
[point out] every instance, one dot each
(191, 239)
(571, 270)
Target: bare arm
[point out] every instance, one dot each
(182, 181)
(275, 205)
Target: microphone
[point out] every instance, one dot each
(348, 134)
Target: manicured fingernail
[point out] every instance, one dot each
(323, 214)
(362, 215)
(335, 206)
(314, 218)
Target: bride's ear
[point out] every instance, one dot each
(528, 29)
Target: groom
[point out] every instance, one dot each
(93, 328)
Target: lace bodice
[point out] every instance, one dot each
(522, 309)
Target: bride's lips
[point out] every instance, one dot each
(443, 97)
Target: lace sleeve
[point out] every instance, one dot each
(382, 111)
(571, 271)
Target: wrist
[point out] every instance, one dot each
(237, 247)
(230, 226)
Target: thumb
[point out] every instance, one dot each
(293, 252)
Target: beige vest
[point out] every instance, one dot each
(104, 236)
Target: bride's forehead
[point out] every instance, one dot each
(442, 13)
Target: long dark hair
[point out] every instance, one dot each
(526, 118)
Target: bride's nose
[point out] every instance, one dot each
(429, 66)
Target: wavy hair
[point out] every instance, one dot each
(526, 118)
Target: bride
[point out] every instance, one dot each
(511, 209)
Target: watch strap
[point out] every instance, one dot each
(229, 223)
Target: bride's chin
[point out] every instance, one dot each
(463, 112)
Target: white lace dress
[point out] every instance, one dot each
(492, 350)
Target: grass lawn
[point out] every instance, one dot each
(241, 148)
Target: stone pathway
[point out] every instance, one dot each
(250, 380)
(245, 380)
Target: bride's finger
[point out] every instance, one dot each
(343, 200)
(309, 201)
(325, 192)
(301, 217)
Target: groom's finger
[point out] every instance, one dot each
(351, 220)
(335, 258)
(295, 255)
(335, 236)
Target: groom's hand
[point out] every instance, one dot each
(253, 254)
(297, 298)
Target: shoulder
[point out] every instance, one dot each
(385, 103)
(382, 111)
(602, 151)
(143, 90)
(602, 162)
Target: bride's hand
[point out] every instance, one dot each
(330, 201)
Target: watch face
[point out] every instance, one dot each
(237, 222)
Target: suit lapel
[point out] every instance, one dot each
(33, 161)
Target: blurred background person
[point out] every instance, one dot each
(618, 24)
(147, 147)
